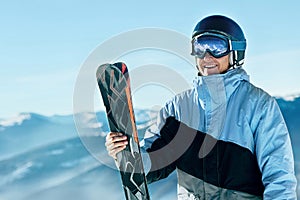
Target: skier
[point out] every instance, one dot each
(225, 137)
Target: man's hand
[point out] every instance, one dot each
(115, 142)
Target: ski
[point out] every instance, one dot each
(114, 85)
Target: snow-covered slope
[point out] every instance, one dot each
(29, 130)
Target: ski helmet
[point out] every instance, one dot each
(226, 27)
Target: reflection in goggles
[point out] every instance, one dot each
(216, 46)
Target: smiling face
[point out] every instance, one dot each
(210, 65)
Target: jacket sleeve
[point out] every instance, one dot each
(158, 159)
(274, 153)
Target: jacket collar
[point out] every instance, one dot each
(216, 84)
(213, 93)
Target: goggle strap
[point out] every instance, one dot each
(238, 45)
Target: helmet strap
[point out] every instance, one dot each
(231, 59)
(233, 63)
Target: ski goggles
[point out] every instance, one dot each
(215, 44)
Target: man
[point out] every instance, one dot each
(225, 137)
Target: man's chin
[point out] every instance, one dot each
(206, 71)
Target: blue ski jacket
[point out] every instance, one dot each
(225, 138)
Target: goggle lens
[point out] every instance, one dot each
(216, 46)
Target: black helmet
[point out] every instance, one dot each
(217, 24)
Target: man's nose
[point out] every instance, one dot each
(207, 56)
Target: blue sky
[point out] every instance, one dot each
(43, 44)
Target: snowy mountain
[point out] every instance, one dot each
(44, 158)
(291, 112)
(29, 130)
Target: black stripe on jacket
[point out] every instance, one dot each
(223, 164)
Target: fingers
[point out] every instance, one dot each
(113, 153)
(115, 142)
(113, 134)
